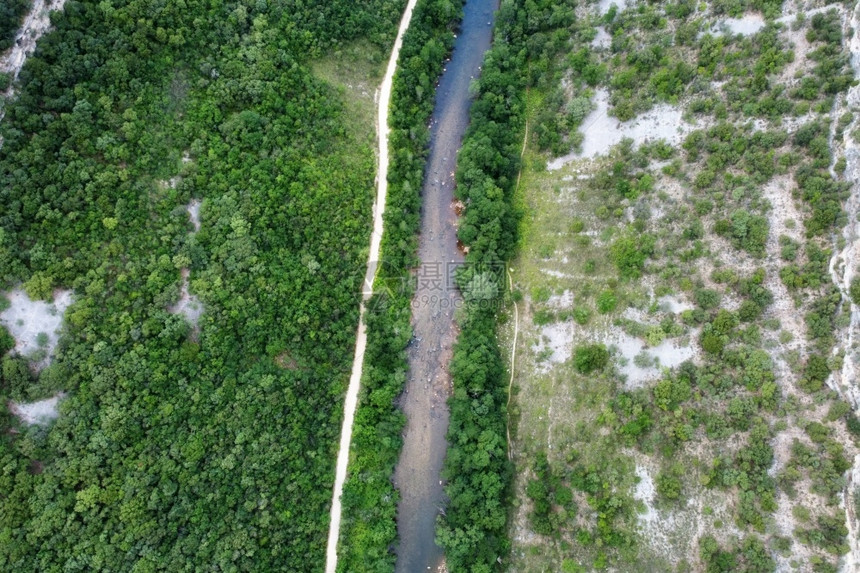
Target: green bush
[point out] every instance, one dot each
(815, 373)
(7, 343)
(669, 486)
(548, 494)
(749, 311)
(590, 358)
(706, 299)
(716, 559)
(581, 315)
(606, 301)
(17, 377)
(712, 342)
(749, 232)
(11, 14)
(854, 290)
(629, 254)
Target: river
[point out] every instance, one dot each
(417, 475)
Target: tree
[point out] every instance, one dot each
(712, 342)
(669, 485)
(815, 373)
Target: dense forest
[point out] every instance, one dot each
(183, 446)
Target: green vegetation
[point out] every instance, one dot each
(551, 497)
(590, 358)
(629, 254)
(11, 15)
(212, 446)
(749, 557)
(855, 290)
(606, 302)
(368, 530)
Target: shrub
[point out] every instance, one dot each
(715, 558)
(749, 232)
(544, 316)
(706, 299)
(606, 302)
(854, 290)
(7, 343)
(590, 358)
(629, 254)
(815, 373)
(669, 485)
(749, 311)
(724, 322)
(581, 315)
(654, 335)
(712, 343)
(17, 377)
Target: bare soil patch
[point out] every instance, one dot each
(41, 412)
(27, 319)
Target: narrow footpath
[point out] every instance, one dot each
(424, 401)
(367, 291)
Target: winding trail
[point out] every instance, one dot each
(367, 291)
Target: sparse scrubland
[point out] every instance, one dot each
(679, 392)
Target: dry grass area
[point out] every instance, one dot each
(356, 71)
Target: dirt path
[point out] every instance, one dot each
(513, 365)
(516, 315)
(367, 291)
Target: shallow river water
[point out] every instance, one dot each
(417, 475)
